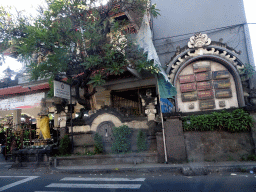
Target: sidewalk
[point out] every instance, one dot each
(188, 169)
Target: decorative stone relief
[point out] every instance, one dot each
(105, 131)
(202, 51)
(191, 106)
(151, 112)
(222, 104)
(199, 40)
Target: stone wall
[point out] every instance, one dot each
(84, 142)
(181, 146)
(218, 146)
(83, 135)
(129, 158)
(203, 146)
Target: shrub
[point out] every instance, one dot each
(235, 121)
(98, 145)
(121, 142)
(248, 158)
(141, 141)
(65, 146)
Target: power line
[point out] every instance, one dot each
(214, 30)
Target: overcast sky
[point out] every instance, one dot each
(31, 5)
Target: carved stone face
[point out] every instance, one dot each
(148, 93)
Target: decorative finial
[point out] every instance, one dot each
(199, 40)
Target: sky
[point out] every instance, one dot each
(31, 5)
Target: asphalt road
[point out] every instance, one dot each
(41, 180)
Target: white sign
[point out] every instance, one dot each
(61, 90)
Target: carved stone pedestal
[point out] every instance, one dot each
(150, 112)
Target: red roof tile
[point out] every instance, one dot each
(20, 89)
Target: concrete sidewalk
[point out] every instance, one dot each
(188, 169)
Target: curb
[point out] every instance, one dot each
(197, 171)
(184, 170)
(119, 170)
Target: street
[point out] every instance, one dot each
(42, 180)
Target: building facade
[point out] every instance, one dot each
(205, 48)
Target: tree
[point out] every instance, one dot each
(78, 40)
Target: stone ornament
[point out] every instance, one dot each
(199, 40)
(191, 106)
(222, 104)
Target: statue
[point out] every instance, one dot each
(149, 103)
(44, 121)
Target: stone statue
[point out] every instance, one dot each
(149, 103)
(44, 110)
(44, 121)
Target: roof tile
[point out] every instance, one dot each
(20, 89)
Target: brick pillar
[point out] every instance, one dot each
(175, 142)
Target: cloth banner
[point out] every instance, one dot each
(166, 105)
(44, 127)
(166, 89)
(144, 40)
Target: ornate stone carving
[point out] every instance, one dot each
(199, 40)
(222, 104)
(150, 112)
(231, 58)
(191, 106)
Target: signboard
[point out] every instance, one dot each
(205, 94)
(220, 74)
(61, 90)
(204, 85)
(223, 93)
(207, 104)
(203, 76)
(187, 78)
(187, 87)
(201, 66)
(221, 84)
(191, 96)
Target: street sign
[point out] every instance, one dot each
(61, 90)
